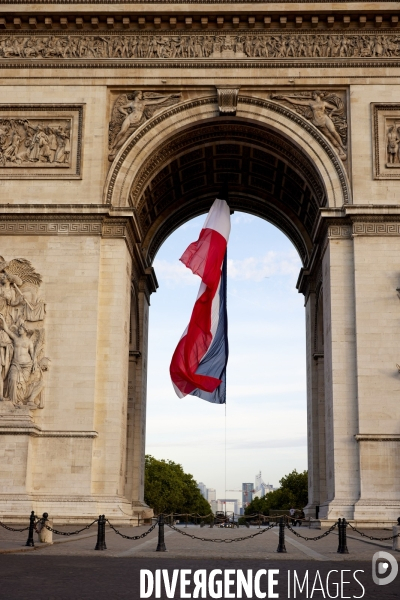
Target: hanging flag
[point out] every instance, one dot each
(198, 366)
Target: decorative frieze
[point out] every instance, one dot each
(40, 141)
(339, 232)
(376, 228)
(26, 227)
(169, 45)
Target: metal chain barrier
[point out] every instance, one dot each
(219, 540)
(12, 528)
(310, 539)
(370, 537)
(66, 533)
(133, 537)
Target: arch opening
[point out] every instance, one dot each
(268, 176)
(266, 334)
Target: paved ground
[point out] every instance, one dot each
(72, 569)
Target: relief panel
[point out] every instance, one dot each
(40, 141)
(386, 140)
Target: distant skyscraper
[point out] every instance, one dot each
(211, 494)
(261, 488)
(203, 489)
(247, 493)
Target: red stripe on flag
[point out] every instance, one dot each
(204, 258)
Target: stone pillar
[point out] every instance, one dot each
(312, 412)
(316, 404)
(109, 452)
(137, 392)
(376, 274)
(341, 414)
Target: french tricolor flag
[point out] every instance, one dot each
(198, 366)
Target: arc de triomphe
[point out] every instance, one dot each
(118, 122)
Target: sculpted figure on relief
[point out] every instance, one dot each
(30, 143)
(22, 314)
(393, 140)
(325, 112)
(132, 110)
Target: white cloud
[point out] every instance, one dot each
(239, 218)
(174, 273)
(257, 268)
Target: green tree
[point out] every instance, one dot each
(168, 489)
(293, 492)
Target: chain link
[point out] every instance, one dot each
(370, 537)
(310, 539)
(134, 537)
(219, 540)
(12, 528)
(66, 533)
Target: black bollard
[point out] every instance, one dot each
(339, 548)
(101, 533)
(342, 547)
(161, 544)
(344, 537)
(281, 544)
(29, 541)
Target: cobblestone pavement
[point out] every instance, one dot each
(71, 569)
(261, 546)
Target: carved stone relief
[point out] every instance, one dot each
(325, 110)
(22, 335)
(227, 100)
(130, 111)
(215, 45)
(40, 141)
(386, 140)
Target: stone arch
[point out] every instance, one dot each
(279, 167)
(269, 137)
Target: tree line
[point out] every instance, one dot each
(168, 489)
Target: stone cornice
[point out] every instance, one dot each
(107, 224)
(378, 437)
(35, 431)
(98, 4)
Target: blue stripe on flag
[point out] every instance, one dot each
(215, 361)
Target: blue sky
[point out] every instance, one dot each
(266, 377)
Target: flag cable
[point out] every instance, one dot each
(225, 458)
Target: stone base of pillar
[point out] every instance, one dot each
(377, 510)
(359, 524)
(337, 509)
(72, 510)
